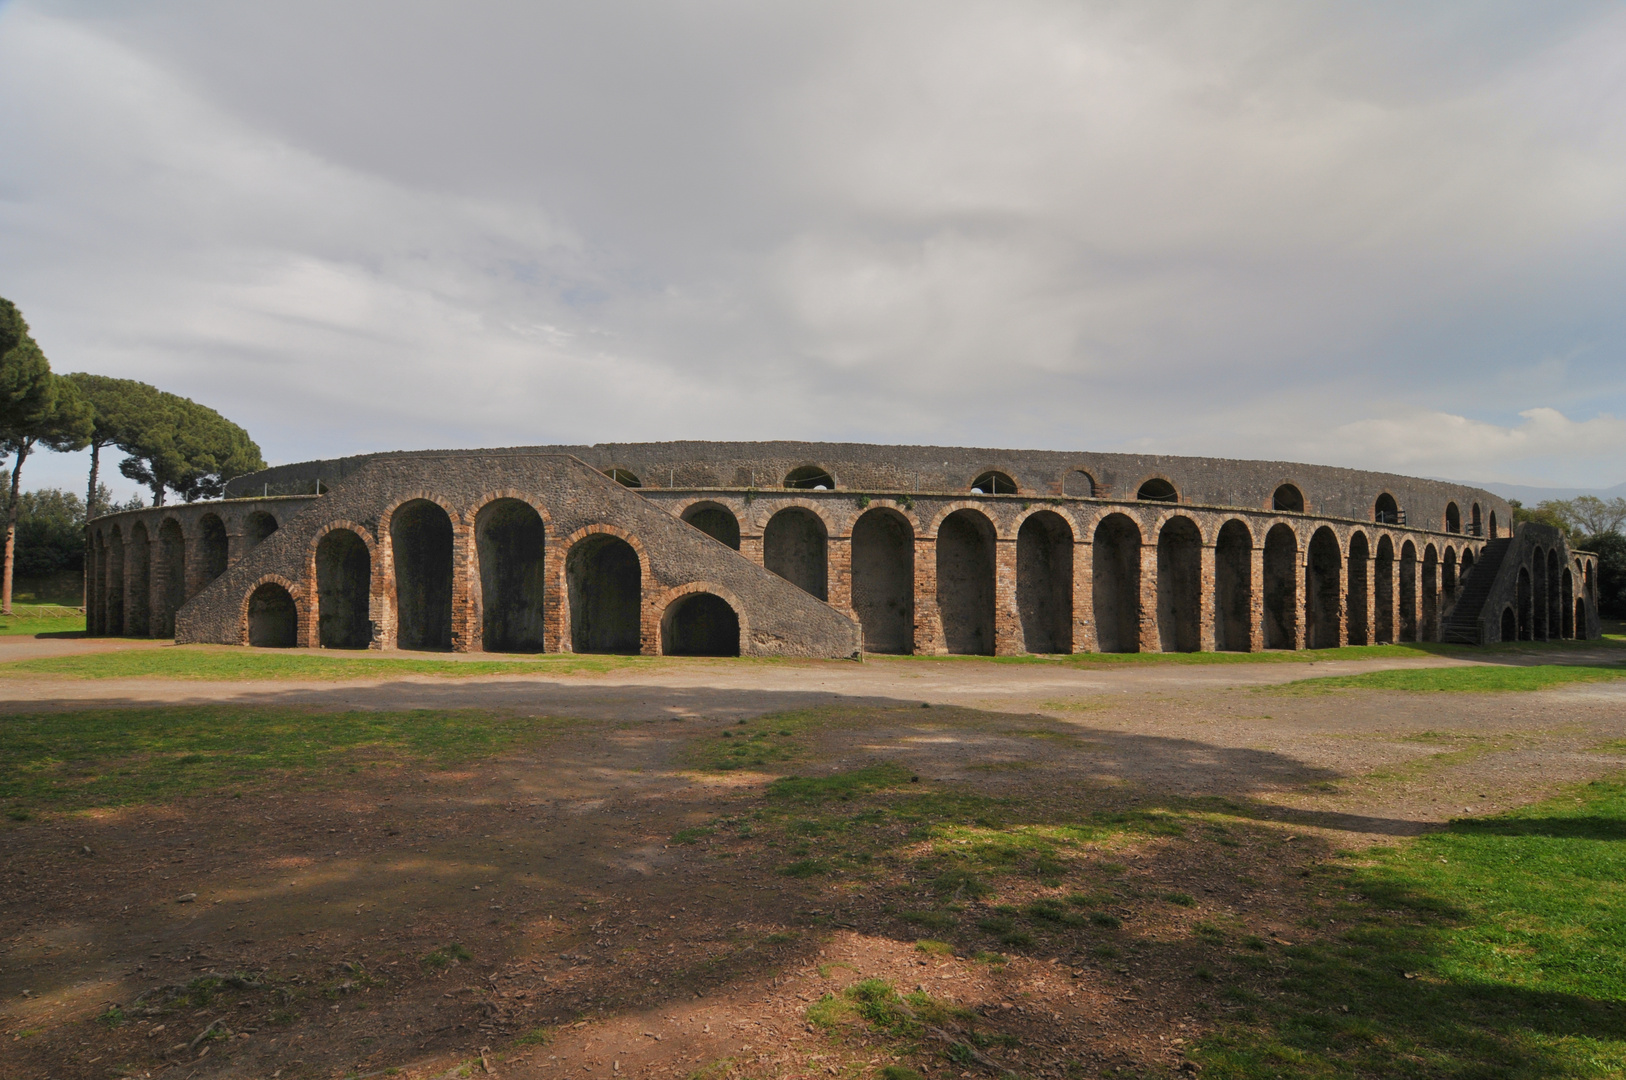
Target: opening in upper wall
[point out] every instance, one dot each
(1157, 489)
(810, 478)
(624, 478)
(993, 482)
(1288, 500)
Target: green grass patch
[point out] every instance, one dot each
(33, 620)
(223, 662)
(1479, 679)
(1398, 651)
(1496, 948)
(114, 757)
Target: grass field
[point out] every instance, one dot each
(1479, 679)
(35, 619)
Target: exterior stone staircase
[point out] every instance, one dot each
(1462, 622)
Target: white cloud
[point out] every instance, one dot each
(1439, 441)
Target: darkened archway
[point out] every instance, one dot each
(1179, 586)
(700, 624)
(1567, 601)
(1281, 588)
(624, 477)
(1538, 595)
(883, 557)
(1116, 584)
(114, 625)
(138, 619)
(1475, 521)
(1493, 524)
(1555, 616)
(1355, 607)
(212, 549)
(1430, 630)
(1157, 489)
(1510, 626)
(1233, 588)
(509, 540)
(965, 582)
(993, 482)
(1448, 582)
(421, 536)
(795, 546)
(1383, 592)
(1288, 499)
(273, 622)
(256, 527)
(1408, 591)
(1524, 602)
(605, 583)
(1323, 592)
(1385, 511)
(716, 521)
(1580, 617)
(1453, 518)
(344, 576)
(810, 478)
(172, 577)
(1044, 583)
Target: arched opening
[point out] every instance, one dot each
(1510, 627)
(700, 624)
(1567, 601)
(115, 584)
(1044, 583)
(993, 483)
(1580, 617)
(1355, 607)
(716, 521)
(1078, 483)
(1493, 524)
(1179, 586)
(1431, 595)
(605, 582)
(796, 547)
(1467, 565)
(1453, 518)
(421, 536)
(1233, 588)
(1523, 597)
(509, 541)
(1281, 588)
(171, 577)
(810, 478)
(1538, 596)
(1383, 592)
(272, 619)
(1408, 592)
(1116, 592)
(1288, 499)
(1448, 581)
(138, 619)
(1386, 511)
(1555, 614)
(212, 549)
(1323, 590)
(965, 583)
(624, 477)
(883, 558)
(344, 577)
(1157, 489)
(1475, 522)
(256, 527)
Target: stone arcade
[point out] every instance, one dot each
(830, 549)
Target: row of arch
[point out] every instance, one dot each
(139, 578)
(1287, 498)
(1546, 602)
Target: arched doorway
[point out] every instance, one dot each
(1281, 588)
(1233, 588)
(1526, 627)
(421, 539)
(1383, 592)
(796, 547)
(509, 541)
(605, 581)
(1355, 607)
(1510, 627)
(172, 577)
(1323, 590)
(1566, 599)
(716, 521)
(883, 557)
(965, 582)
(1408, 591)
(1555, 607)
(213, 549)
(115, 584)
(1538, 595)
(344, 577)
(273, 621)
(700, 624)
(256, 528)
(1179, 586)
(1449, 581)
(1431, 595)
(1288, 499)
(1115, 571)
(138, 619)
(1044, 583)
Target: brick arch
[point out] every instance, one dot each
(388, 515)
(310, 613)
(301, 608)
(1164, 517)
(360, 530)
(930, 532)
(487, 498)
(1269, 504)
(1022, 486)
(556, 562)
(1043, 508)
(909, 515)
(668, 596)
(1096, 487)
(1134, 496)
(760, 517)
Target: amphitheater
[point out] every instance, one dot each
(831, 550)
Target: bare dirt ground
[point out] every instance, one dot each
(597, 902)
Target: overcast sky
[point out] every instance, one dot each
(1381, 235)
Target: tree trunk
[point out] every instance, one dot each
(90, 512)
(11, 528)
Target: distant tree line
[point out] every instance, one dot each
(1591, 524)
(171, 443)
